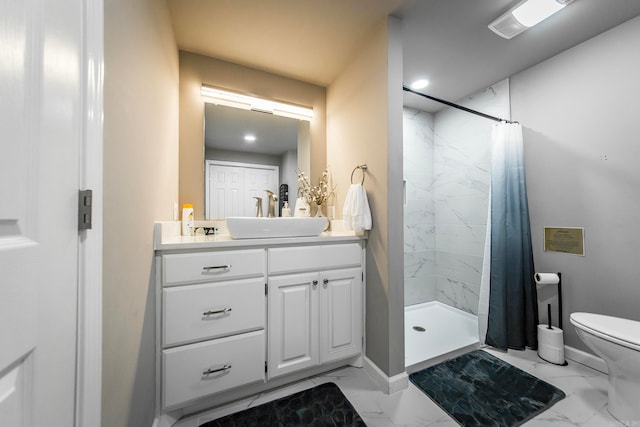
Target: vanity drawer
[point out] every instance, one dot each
(210, 266)
(231, 361)
(293, 259)
(210, 310)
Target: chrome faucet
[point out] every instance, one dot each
(272, 203)
(258, 206)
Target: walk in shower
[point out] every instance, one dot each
(447, 162)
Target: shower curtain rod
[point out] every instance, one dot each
(459, 107)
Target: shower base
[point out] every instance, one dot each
(435, 332)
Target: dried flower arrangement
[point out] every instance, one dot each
(317, 194)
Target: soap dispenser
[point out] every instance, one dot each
(286, 211)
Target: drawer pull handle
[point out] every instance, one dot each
(215, 371)
(212, 312)
(217, 267)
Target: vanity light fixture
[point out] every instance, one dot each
(250, 138)
(525, 15)
(246, 102)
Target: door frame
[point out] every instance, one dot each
(88, 404)
(209, 163)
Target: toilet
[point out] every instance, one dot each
(617, 342)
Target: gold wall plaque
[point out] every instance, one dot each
(567, 240)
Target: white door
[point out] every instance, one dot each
(293, 323)
(257, 180)
(226, 187)
(340, 314)
(40, 131)
(231, 188)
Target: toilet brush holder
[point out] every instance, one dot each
(551, 344)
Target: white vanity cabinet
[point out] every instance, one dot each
(212, 323)
(315, 306)
(236, 317)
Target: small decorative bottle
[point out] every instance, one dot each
(187, 219)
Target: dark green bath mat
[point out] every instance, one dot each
(478, 389)
(323, 405)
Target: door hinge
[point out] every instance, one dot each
(362, 276)
(85, 205)
(265, 366)
(266, 289)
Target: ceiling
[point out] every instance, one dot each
(446, 41)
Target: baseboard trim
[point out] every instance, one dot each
(165, 420)
(586, 359)
(388, 385)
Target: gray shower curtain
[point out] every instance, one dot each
(513, 306)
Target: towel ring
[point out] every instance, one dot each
(362, 168)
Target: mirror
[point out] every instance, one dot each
(238, 169)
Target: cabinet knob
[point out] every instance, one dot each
(314, 283)
(324, 282)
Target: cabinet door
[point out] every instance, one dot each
(293, 323)
(340, 314)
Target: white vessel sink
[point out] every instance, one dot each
(245, 227)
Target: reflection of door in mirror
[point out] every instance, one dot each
(277, 142)
(230, 188)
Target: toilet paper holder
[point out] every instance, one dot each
(548, 279)
(550, 353)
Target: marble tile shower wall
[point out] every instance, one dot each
(462, 164)
(447, 161)
(419, 213)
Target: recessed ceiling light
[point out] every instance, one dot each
(249, 138)
(420, 84)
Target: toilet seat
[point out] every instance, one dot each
(624, 332)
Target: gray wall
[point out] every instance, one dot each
(289, 176)
(579, 111)
(242, 157)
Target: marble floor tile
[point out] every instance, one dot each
(584, 406)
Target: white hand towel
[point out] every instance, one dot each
(356, 212)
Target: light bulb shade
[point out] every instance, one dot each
(420, 84)
(246, 102)
(524, 15)
(532, 12)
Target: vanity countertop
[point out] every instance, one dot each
(167, 238)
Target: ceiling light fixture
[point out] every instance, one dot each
(525, 15)
(419, 84)
(250, 138)
(246, 102)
